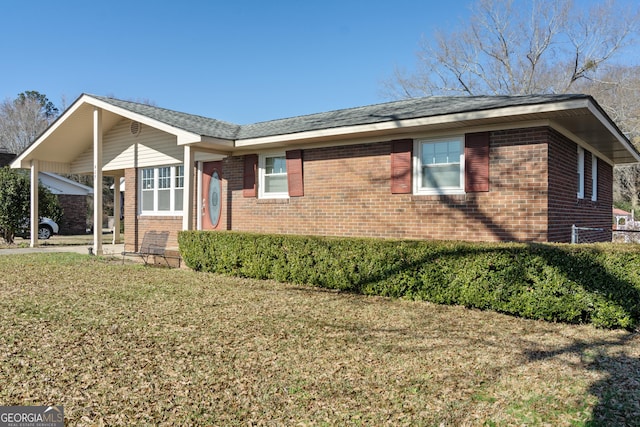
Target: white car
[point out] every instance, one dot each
(46, 228)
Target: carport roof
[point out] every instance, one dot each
(188, 122)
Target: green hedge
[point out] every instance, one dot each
(597, 284)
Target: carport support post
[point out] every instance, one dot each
(97, 181)
(187, 201)
(34, 220)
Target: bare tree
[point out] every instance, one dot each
(539, 46)
(524, 47)
(617, 89)
(22, 120)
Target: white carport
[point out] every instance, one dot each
(74, 144)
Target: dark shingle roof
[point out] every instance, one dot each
(393, 111)
(370, 114)
(191, 123)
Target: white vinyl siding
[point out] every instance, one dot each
(55, 167)
(122, 150)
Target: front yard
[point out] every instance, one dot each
(128, 345)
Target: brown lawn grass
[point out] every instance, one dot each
(129, 345)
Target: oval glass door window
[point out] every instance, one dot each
(215, 205)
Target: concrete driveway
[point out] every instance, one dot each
(107, 249)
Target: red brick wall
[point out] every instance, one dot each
(565, 208)
(172, 224)
(130, 209)
(74, 219)
(347, 193)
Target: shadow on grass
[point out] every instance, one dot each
(539, 281)
(618, 392)
(588, 268)
(550, 282)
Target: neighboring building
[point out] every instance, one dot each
(73, 201)
(5, 157)
(623, 220)
(71, 195)
(625, 228)
(507, 168)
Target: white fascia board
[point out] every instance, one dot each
(321, 133)
(208, 150)
(182, 139)
(613, 130)
(183, 136)
(209, 140)
(417, 122)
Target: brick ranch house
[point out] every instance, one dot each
(505, 168)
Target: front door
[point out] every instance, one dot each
(211, 195)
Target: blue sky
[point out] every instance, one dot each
(241, 61)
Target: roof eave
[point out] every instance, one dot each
(414, 122)
(604, 119)
(477, 117)
(210, 143)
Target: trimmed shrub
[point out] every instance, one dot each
(598, 284)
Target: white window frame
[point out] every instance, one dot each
(173, 181)
(262, 160)
(580, 172)
(594, 178)
(417, 167)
